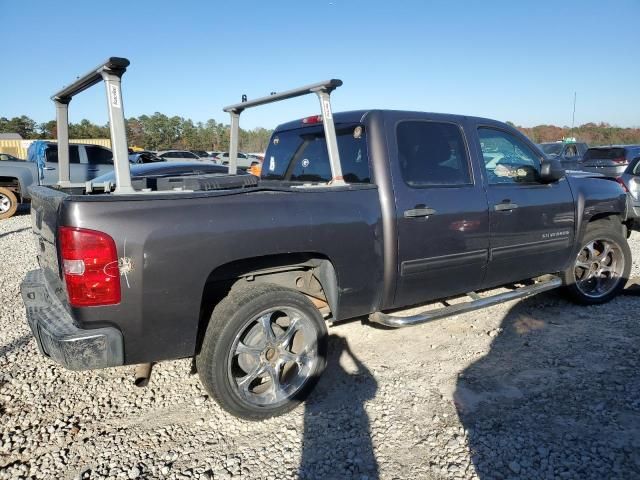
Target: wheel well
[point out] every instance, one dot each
(12, 184)
(606, 217)
(312, 274)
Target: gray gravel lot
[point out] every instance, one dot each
(530, 389)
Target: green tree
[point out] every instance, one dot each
(23, 125)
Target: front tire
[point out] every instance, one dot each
(263, 351)
(8, 203)
(601, 267)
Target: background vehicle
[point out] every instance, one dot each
(86, 162)
(6, 156)
(177, 155)
(203, 155)
(569, 153)
(256, 156)
(610, 161)
(141, 175)
(630, 180)
(144, 156)
(244, 161)
(356, 214)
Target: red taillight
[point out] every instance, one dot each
(620, 160)
(90, 266)
(621, 182)
(313, 119)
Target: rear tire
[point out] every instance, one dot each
(602, 266)
(8, 203)
(263, 351)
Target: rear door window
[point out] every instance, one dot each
(52, 154)
(432, 154)
(300, 155)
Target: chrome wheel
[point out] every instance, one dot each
(599, 268)
(273, 356)
(5, 203)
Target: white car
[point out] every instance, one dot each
(244, 161)
(178, 156)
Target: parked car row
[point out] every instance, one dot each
(610, 160)
(245, 160)
(93, 162)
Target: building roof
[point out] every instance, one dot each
(10, 136)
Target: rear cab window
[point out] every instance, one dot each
(300, 155)
(604, 153)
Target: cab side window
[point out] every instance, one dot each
(571, 151)
(507, 159)
(432, 154)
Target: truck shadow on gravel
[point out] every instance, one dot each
(558, 395)
(14, 232)
(14, 345)
(337, 438)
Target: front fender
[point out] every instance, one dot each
(596, 198)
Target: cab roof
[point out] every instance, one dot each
(357, 116)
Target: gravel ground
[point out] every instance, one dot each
(529, 389)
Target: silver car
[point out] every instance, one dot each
(630, 181)
(610, 161)
(244, 160)
(178, 156)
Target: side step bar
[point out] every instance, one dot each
(475, 304)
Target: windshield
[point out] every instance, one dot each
(300, 155)
(551, 148)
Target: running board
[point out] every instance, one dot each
(475, 304)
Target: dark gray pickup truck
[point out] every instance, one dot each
(357, 214)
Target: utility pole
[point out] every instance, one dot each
(573, 116)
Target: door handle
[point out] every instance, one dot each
(505, 207)
(49, 168)
(419, 212)
(92, 169)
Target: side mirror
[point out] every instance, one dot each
(551, 171)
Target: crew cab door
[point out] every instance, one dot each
(532, 223)
(441, 212)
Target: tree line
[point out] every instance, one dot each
(151, 132)
(160, 132)
(591, 133)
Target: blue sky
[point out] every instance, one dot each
(508, 60)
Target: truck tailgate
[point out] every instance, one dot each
(45, 208)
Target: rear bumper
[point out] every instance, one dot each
(606, 171)
(57, 335)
